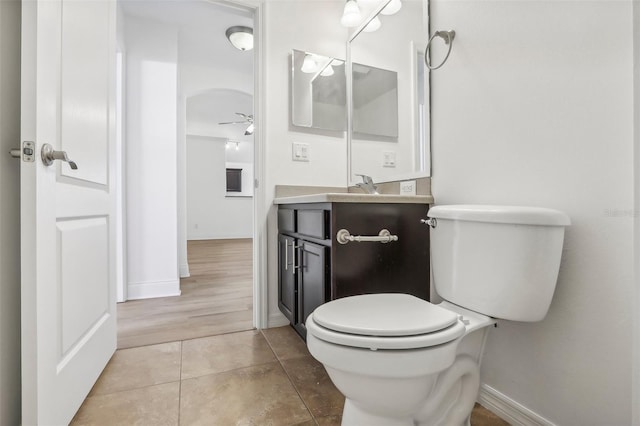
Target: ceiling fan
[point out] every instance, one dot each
(247, 119)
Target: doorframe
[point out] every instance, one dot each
(260, 287)
(259, 249)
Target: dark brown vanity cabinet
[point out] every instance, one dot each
(314, 268)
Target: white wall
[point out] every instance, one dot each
(534, 107)
(211, 214)
(151, 135)
(310, 25)
(9, 213)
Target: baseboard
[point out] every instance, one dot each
(276, 319)
(508, 409)
(151, 289)
(184, 271)
(219, 237)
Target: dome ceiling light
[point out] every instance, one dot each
(240, 37)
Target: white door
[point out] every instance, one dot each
(68, 272)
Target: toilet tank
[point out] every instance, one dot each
(500, 261)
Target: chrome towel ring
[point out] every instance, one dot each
(448, 37)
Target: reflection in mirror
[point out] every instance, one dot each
(375, 101)
(318, 91)
(396, 47)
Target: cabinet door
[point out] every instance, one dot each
(312, 285)
(287, 277)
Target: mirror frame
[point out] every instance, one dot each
(349, 76)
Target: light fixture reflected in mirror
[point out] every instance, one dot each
(328, 71)
(351, 15)
(373, 25)
(309, 65)
(393, 7)
(240, 37)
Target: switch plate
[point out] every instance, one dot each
(408, 187)
(388, 159)
(300, 151)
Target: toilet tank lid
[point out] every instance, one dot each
(517, 215)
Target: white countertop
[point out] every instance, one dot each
(330, 197)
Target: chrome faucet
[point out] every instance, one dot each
(367, 185)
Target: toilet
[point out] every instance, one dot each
(400, 360)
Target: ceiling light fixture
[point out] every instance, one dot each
(249, 130)
(240, 37)
(392, 7)
(351, 16)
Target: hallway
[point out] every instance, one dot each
(217, 298)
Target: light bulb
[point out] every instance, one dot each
(237, 146)
(372, 26)
(351, 15)
(391, 8)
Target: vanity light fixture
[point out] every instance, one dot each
(373, 25)
(328, 71)
(392, 7)
(351, 16)
(309, 65)
(240, 37)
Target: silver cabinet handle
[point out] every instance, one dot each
(49, 155)
(384, 236)
(286, 254)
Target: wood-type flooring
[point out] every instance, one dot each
(216, 299)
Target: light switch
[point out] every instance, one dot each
(388, 159)
(300, 151)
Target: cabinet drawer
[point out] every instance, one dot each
(286, 220)
(313, 223)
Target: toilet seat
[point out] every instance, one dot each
(384, 321)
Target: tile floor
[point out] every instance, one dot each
(245, 378)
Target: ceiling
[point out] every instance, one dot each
(201, 26)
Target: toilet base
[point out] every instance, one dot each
(353, 415)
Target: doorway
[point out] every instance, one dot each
(188, 252)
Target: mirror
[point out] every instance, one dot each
(375, 101)
(388, 115)
(318, 91)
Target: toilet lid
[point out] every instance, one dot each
(387, 315)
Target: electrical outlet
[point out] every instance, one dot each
(388, 159)
(300, 151)
(408, 187)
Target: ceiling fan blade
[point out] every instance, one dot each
(233, 122)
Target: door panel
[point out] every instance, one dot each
(85, 88)
(67, 237)
(84, 242)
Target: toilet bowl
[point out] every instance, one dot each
(405, 355)
(401, 360)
